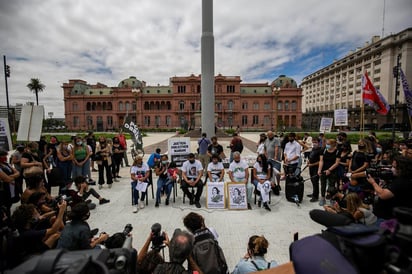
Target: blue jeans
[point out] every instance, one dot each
(81, 170)
(163, 183)
(135, 194)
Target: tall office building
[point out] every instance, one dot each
(339, 85)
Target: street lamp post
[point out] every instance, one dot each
(136, 93)
(276, 91)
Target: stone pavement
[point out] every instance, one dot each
(234, 226)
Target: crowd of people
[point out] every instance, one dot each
(362, 185)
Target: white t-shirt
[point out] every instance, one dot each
(215, 169)
(192, 170)
(238, 170)
(259, 172)
(140, 171)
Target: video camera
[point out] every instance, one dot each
(379, 172)
(157, 236)
(110, 260)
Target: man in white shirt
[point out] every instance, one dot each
(292, 154)
(239, 173)
(192, 171)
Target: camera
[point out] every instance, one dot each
(380, 172)
(157, 236)
(127, 229)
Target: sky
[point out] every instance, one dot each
(107, 41)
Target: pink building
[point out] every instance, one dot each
(247, 105)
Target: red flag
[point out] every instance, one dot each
(372, 97)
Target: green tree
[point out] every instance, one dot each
(36, 86)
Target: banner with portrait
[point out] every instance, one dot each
(215, 195)
(236, 195)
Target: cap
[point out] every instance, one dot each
(191, 155)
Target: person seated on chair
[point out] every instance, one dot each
(139, 173)
(239, 173)
(262, 173)
(192, 172)
(215, 169)
(166, 176)
(84, 191)
(254, 259)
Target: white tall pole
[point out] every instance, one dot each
(208, 69)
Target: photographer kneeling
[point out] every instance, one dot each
(395, 194)
(77, 235)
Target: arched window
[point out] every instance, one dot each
(120, 106)
(181, 105)
(293, 106)
(286, 105)
(75, 106)
(88, 106)
(127, 106)
(280, 105)
(230, 105)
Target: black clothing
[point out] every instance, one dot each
(76, 235)
(314, 157)
(401, 189)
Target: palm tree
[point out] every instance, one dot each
(36, 86)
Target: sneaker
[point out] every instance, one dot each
(135, 209)
(259, 203)
(265, 205)
(198, 204)
(314, 199)
(118, 176)
(116, 180)
(322, 202)
(100, 186)
(156, 204)
(249, 206)
(110, 185)
(167, 201)
(309, 195)
(141, 204)
(104, 201)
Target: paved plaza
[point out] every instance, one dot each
(233, 226)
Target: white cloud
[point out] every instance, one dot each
(106, 41)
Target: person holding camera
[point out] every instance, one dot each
(77, 235)
(148, 261)
(180, 249)
(395, 194)
(32, 240)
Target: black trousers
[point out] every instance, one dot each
(199, 189)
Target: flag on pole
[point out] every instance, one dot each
(134, 131)
(372, 97)
(407, 92)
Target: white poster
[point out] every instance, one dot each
(179, 149)
(341, 117)
(326, 124)
(31, 123)
(5, 136)
(215, 195)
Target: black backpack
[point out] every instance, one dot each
(208, 254)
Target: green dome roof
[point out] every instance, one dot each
(130, 82)
(284, 82)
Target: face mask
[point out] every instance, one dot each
(291, 140)
(379, 150)
(164, 162)
(79, 143)
(237, 161)
(192, 161)
(327, 146)
(361, 147)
